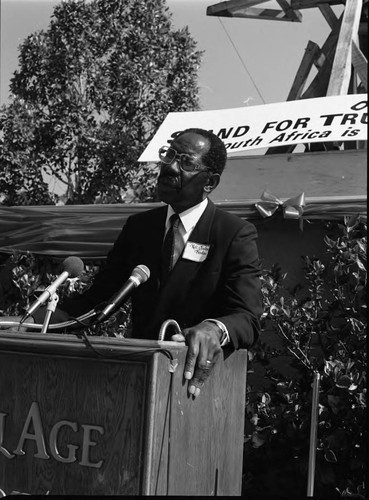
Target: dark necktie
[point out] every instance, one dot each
(169, 247)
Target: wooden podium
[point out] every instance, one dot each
(113, 417)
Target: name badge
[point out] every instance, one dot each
(195, 251)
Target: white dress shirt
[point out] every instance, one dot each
(188, 220)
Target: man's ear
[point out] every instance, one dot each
(213, 181)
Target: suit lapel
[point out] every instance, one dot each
(154, 235)
(201, 232)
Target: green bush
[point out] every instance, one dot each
(322, 328)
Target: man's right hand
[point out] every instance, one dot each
(204, 348)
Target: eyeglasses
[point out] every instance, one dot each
(186, 162)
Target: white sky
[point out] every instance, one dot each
(246, 61)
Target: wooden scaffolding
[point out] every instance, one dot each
(342, 61)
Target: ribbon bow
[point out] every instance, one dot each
(269, 204)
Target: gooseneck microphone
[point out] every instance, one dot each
(139, 275)
(72, 267)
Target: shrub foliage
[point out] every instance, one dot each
(322, 329)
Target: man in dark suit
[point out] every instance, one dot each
(213, 289)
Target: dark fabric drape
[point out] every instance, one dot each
(88, 231)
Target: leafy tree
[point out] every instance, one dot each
(89, 95)
(21, 181)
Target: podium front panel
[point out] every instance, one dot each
(114, 417)
(71, 425)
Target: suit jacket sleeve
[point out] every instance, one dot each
(240, 305)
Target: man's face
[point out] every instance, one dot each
(179, 188)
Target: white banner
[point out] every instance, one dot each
(324, 119)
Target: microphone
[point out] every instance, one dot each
(72, 267)
(139, 275)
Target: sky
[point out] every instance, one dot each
(246, 62)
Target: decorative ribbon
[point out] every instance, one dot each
(269, 204)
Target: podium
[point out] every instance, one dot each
(111, 416)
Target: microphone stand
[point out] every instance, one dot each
(54, 326)
(313, 435)
(50, 308)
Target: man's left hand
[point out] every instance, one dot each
(203, 342)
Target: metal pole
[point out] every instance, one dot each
(50, 308)
(313, 434)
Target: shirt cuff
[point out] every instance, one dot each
(225, 339)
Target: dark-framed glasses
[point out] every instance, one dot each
(185, 161)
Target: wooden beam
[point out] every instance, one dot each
(328, 14)
(243, 8)
(312, 4)
(256, 13)
(341, 70)
(311, 55)
(318, 87)
(225, 8)
(294, 15)
(344, 174)
(360, 64)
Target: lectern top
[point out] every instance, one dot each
(86, 346)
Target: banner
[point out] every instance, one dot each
(89, 231)
(324, 119)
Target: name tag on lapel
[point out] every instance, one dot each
(196, 252)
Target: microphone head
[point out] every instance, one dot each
(73, 266)
(141, 273)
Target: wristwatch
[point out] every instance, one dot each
(224, 339)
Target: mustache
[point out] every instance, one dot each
(170, 179)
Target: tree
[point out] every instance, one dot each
(88, 97)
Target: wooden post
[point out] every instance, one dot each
(328, 14)
(360, 64)
(311, 57)
(341, 70)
